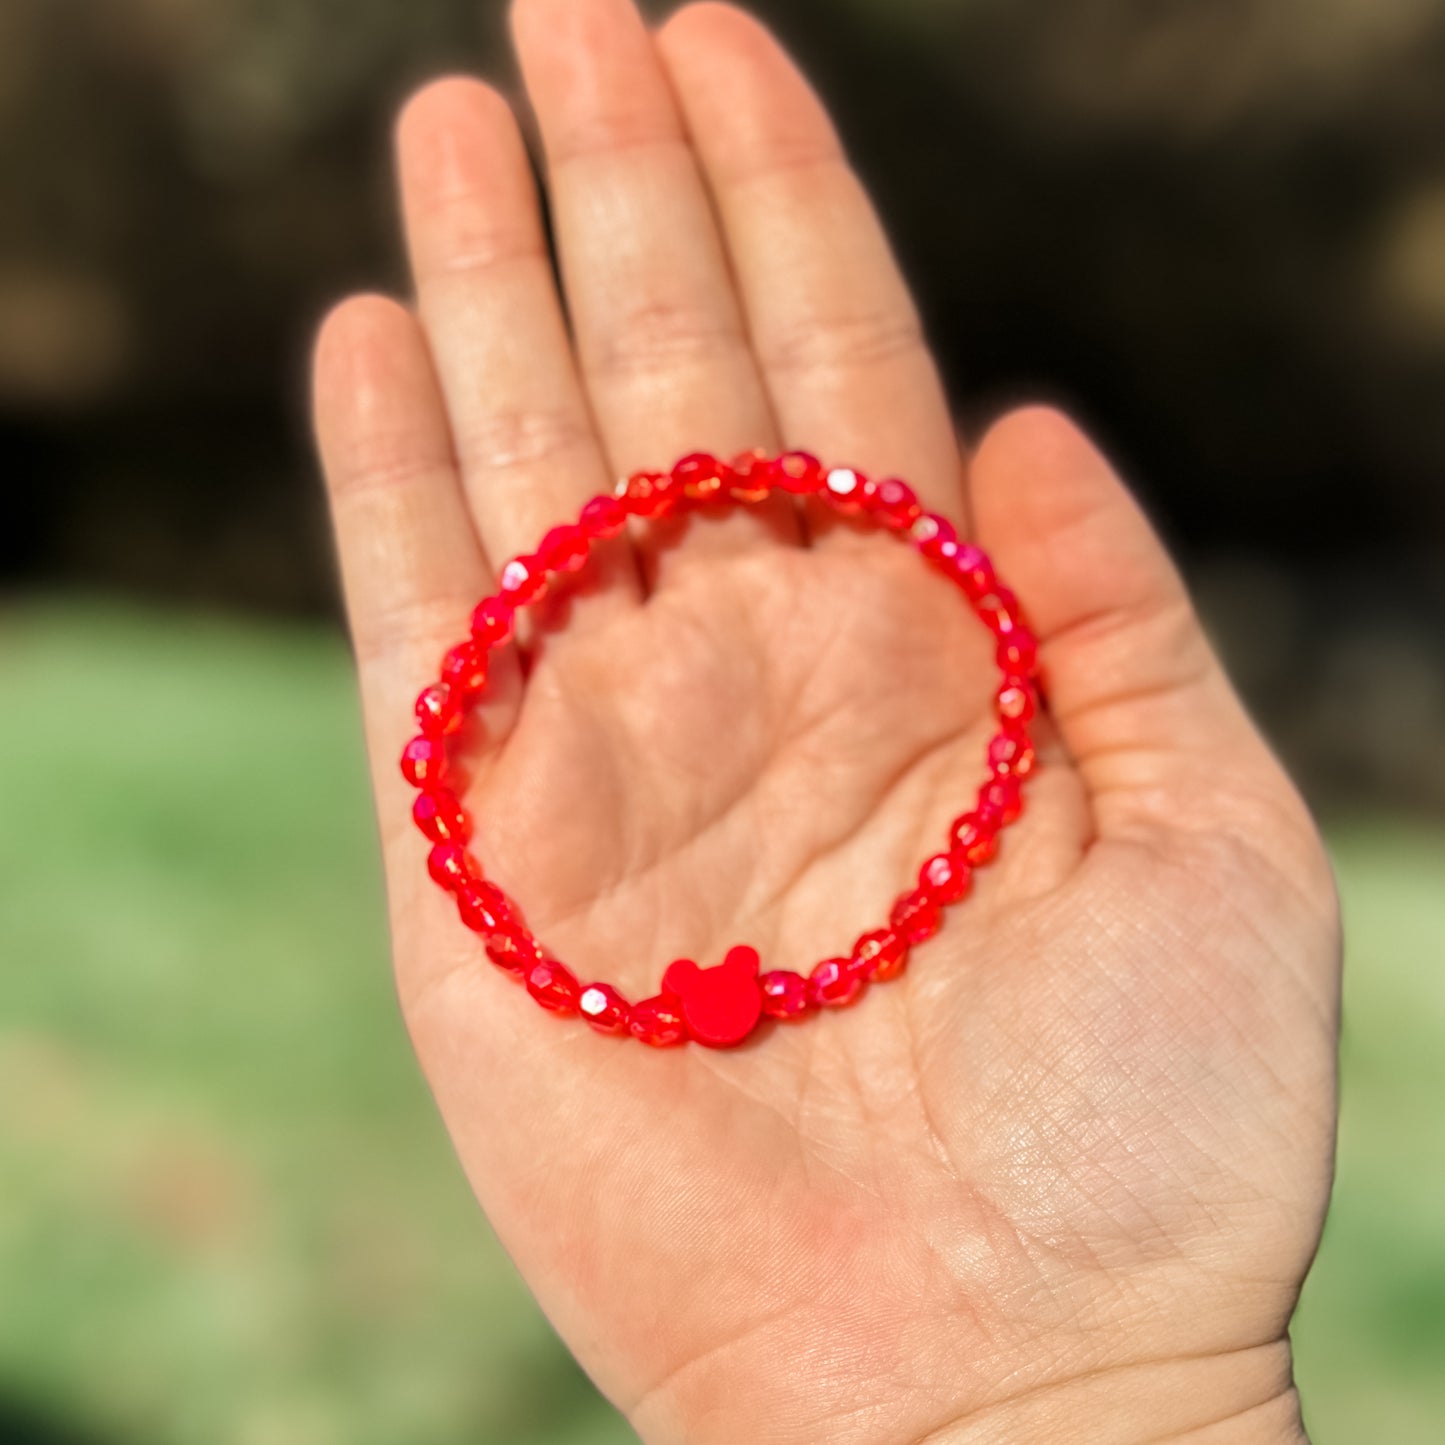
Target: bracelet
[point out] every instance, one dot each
(722, 1005)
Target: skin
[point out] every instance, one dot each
(1064, 1177)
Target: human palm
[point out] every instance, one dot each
(1063, 1177)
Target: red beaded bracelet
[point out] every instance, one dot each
(721, 1006)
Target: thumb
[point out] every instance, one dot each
(1139, 698)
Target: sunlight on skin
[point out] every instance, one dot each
(1072, 1166)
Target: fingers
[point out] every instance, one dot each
(410, 562)
(1133, 685)
(832, 323)
(658, 328)
(523, 434)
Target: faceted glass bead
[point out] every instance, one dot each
(564, 549)
(881, 954)
(1004, 797)
(483, 906)
(648, 494)
(974, 838)
(464, 669)
(785, 994)
(1014, 701)
(915, 915)
(657, 1021)
(514, 949)
(603, 517)
(752, 476)
(932, 533)
(523, 580)
(553, 985)
(1018, 651)
(424, 761)
(451, 866)
(798, 473)
(970, 569)
(438, 710)
(604, 1008)
(944, 878)
(847, 490)
(702, 477)
(492, 622)
(438, 814)
(835, 982)
(999, 608)
(895, 504)
(1011, 753)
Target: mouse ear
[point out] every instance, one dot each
(680, 976)
(743, 960)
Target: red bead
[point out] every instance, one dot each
(1004, 797)
(492, 622)
(604, 1008)
(603, 517)
(513, 949)
(785, 994)
(464, 669)
(999, 609)
(553, 985)
(483, 907)
(974, 838)
(424, 761)
(1014, 701)
(835, 982)
(1018, 651)
(523, 580)
(944, 878)
(451, 866)
(752, 476)
(438, 710)
(798, 473)
(967, 565)
(915, 915)
(658, 1021)
(720, 1004)
(1011, 752)
(438, 814)
(648, 494)
(932, 533)
(881, 954)
(895, 504)
(564, 549)
(847, 490)
(702, 477)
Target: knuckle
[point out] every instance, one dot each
(843, 340)
(515, 438)
(663, 334)
(385, 468)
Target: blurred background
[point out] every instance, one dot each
(227, 1213)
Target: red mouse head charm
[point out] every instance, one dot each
(720, 1005)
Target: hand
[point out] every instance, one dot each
(1062, 1179)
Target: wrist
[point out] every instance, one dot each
(1246, 1397)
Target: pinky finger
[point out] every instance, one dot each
(411, 564)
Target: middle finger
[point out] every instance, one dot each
(657, 323)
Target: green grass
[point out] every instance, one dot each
(228, 1215)
(1370, 1334)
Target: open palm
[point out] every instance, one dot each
(1063, 1178)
